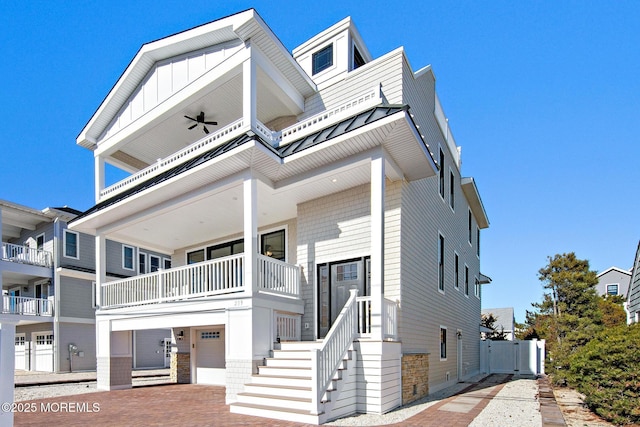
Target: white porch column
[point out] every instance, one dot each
(250, 207)
(99, 176)
(249, 97)
(377, 244)
(7, 366)
(101, 266)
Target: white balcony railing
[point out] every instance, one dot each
(389, 318)
(26, 306)
(220, 276)
(25, 255)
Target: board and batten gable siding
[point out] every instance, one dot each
(166, 78)
(385, 71)
(75, 298)
(338, 227)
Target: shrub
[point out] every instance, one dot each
(607, 371)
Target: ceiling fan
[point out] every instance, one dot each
(200, 119)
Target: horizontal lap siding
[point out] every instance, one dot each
(75, 298)
(385, 72)
(425, 214)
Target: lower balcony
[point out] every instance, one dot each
(209, 279)
(26, 306)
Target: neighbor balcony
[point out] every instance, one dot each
(218, 278)
(26, 306)
(26, 255)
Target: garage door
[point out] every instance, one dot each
(22, 352)
(43, 351)
(210, 360)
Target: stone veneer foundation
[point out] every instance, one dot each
(180, 368)
(415, 377)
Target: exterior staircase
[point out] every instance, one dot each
(283, 387)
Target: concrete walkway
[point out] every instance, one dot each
(202, 405)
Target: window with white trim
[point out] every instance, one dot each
(478, 242)
(476, 288)
(456, 266)
(127, 257)
(470, 225)
(440, 262)
(466, 280)
(452, 190)
(441, 174)
(322, 59)
(612, 289)
(443, 343)
(166, 263)
(71, 244)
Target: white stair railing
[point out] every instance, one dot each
(326, 360)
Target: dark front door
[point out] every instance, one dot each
(335, 281)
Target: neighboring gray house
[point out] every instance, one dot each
(325, 244)
(614, 281)
(505, 320)
(48, 278)
(633, 299)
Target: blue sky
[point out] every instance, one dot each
(543, 97)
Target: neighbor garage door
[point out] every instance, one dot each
(42, 351)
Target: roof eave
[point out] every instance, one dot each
(472, 194)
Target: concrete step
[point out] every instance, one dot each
(300, 403)
(300, 345)
(286, 414)
(278, 390)
(291, 354)
(284, 371)
(291, 381)
(288, 363)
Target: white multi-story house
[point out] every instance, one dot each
(324, 245)
(47, 277)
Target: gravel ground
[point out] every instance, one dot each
(515, 405)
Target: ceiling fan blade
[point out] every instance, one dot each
(190, 118)
(204, 128)
(192, 126)
(211, 123)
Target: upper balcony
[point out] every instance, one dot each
(214, 279)
(25, 309)
(26, 255)
(359, 103)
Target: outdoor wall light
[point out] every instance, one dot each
(181, 335)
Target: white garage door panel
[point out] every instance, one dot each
(22, 353)
(210, 362)
(43, 351)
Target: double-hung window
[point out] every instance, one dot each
(441, 263)
(466, 280)
(443, 343)
(127, 257)
(71, 244)
(441, 173)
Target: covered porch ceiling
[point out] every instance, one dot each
(206, 202)
(218, 94)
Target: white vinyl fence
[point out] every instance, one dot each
(512, 357)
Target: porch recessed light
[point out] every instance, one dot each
(334, 180)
